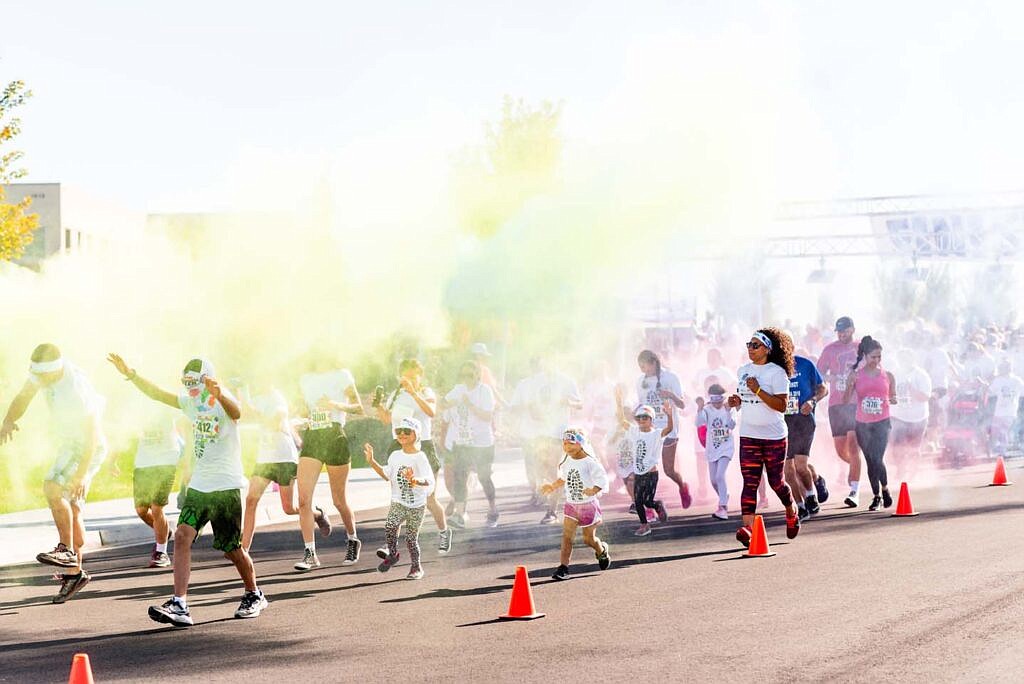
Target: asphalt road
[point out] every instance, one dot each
(858, 596)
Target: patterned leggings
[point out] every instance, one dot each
(412, 518)
(771, 455)
(644, 487)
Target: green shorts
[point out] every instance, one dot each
(152, 485)
(223, 510)
(328, 445)
(282, 473)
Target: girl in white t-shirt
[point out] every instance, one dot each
(584, 479)
(646, 444)
(717, 420)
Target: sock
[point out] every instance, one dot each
(811, 492)
(311, 546)
(351, 537)
(800, 505)
(181, 600)
(161, 548)
(855, 486)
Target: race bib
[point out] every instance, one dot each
(792, 405)
(465, 434)
(319, 419)
(872, 406)
(719, 435)
(840, 383)
(152, 438)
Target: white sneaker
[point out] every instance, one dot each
(853, 500)
(253, 603)
(722, 513)
(308, 562)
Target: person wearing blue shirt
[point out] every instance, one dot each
(806, 389)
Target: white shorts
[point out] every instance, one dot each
(69, 456)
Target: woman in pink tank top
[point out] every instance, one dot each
(872, 387)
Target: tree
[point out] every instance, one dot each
(16, 224)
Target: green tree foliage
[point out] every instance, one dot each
(16, 224)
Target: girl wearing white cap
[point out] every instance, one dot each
(583, 478)
(412, 481)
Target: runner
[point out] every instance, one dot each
(412, 479)
(159, 451)
(762, 396)
(472, 436)
(647, 444)
(655, 386)
(330, 396)
(583, 477)
(910, 415)
(214, 491)
(1004, 392)
(874, 389)
(717, 422)
(75, 413)
(834, 364)
(277, 460)
(415, 400)
(532, 440)
(714, 373)
(806, 389)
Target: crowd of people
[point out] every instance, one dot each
(577, 446)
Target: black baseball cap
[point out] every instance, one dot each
(844, 323)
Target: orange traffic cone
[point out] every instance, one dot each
(999, 477)
(758, 541)
(520, 606)
(81, 673)
(903, 507)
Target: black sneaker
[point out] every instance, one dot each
(561, 573)
(886, 498)
(603, 559)
(492, 519)
(444, 542)
(253, 603)
(171, 613)
(876, 501)
(322, 522)
(803, 513)
(811, 504)
(632, 508)
(352, 552)
(70, 585)
(387, 561)
(819, 484)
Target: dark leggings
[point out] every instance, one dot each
(644, 487)
(873, 438)
(756, 454)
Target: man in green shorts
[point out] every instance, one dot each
(214, 490)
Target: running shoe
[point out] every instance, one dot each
(792, 526)
(159, 559)
(387, 561)
(549, 517)
(743, 536)
(253, 603)
(70, 585)
(722, 513)
(642, 531)
(886, 498)
(659, 510)
(684, 495)
(172, 612)
(603, 559)
(322, 522)
(415, 573)
(561, 573)
(456, 521)
(534, 500)
(60, 556)
(309, 561)
(632, 508)
(492, 519)
(444, 541)
(802, 513)
(876, 501)
(853, 500)
(819, 484)
(450, 508)
(352, 552)
(811, 504)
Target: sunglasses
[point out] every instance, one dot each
(754, 345)
(643, 417)
(403, 431)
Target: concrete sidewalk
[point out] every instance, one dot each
(114, 523)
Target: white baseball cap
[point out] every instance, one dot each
(479, 349)
(411, 424)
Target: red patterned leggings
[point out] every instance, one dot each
(771, 455)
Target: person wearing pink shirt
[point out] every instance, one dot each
(834, 364)
(873, 388)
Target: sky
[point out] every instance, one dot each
(190, 106)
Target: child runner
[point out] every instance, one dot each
(75, 412)
(646, 444)
(412, 479)
(159, 451)
(719, 448)
(214, 490)
(656, 386)
(762, 395)
(874, 389)
(583, 478)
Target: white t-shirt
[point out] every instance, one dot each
(72, 400)
(402, 469)
(579, 474)
(623, 447)
(404, 406)
(544, 400)
(470, 429)
(756, 419)
(218, 447)
(720, 423)
(333, 385)
(646, 447)
(159, 443)
(647, 393)
(906, 408)
(276, 442)
(522, 399)
(1007, 390)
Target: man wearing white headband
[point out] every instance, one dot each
(214, 490)
(75, 410)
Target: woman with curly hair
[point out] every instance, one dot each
(762, 394)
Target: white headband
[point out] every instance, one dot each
(40, 367)
(763, 339)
